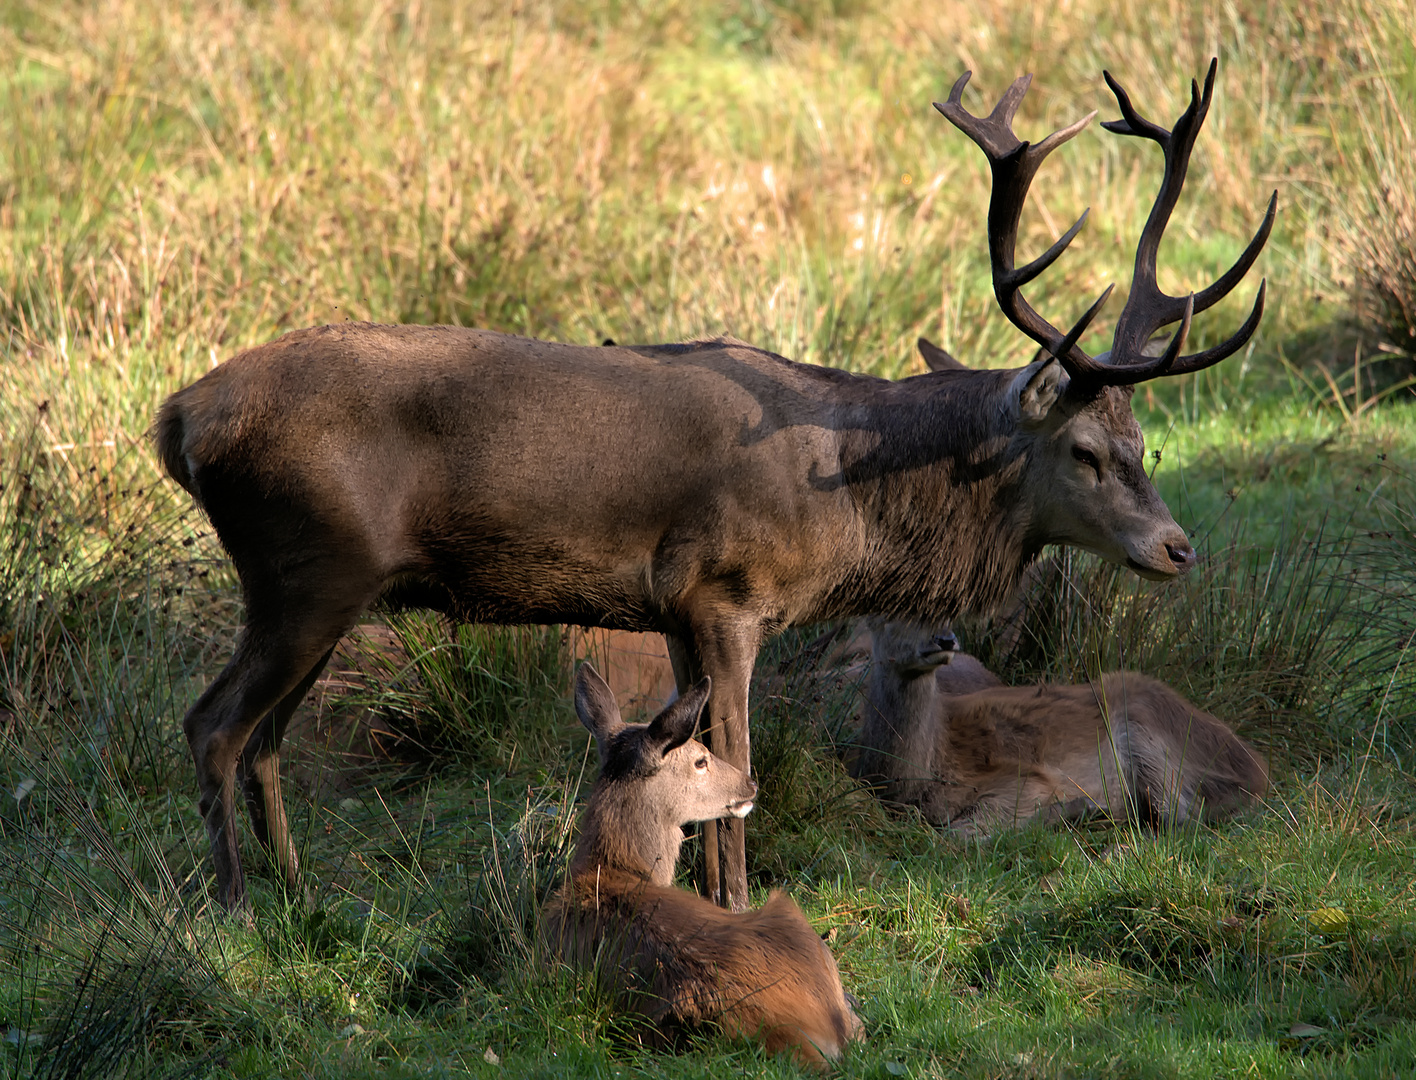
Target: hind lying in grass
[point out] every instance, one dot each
(975, 755)
(672, 958)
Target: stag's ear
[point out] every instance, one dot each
(595, 705)
(675, 725)
(1036, 389)
(937, 359)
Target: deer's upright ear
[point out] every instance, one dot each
(595, 705)
(1036, 389)
(937, 359)
(675, 725)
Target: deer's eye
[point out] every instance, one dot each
(1087, 458)
(701, 763)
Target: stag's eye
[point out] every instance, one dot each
(1087, 458)
(701, 763)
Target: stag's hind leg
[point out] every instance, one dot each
(279, 655)
(258, 771)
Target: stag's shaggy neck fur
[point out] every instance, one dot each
(948, 520)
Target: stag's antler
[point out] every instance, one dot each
(1014, 163)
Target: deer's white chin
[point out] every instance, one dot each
(1152, 572)
(741, 809)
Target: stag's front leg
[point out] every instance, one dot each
(726, 654)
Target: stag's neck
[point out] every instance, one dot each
(938, 480)
(900, 730)
(617, 834)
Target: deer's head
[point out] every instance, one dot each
(658, 769)
(909, 649)
(1072, 411)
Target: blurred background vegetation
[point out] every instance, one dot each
(182, 180)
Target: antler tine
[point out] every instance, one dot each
(1014, 162)
(994, 133)
(1200, 361)
(1148, 308)
(1079, 328)
(1225, 283)
(1172, 351)
(1099, 372)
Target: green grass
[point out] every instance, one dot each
(178, 182)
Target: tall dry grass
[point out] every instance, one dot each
(181, 181)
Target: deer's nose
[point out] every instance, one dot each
(1182, 555)
(946, 642)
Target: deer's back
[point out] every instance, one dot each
(1169, 736)
(525, 480)
(1032, 724)
(677, 959)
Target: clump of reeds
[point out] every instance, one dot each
(1384, 256)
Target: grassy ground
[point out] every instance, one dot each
(178, 181)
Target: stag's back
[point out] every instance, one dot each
(513, 480)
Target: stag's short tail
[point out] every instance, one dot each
(169, 434)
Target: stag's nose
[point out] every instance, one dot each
(946, 642)
(1182, 555)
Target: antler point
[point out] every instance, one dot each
(956, 94)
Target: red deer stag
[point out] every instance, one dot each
(709, 491)
(975, 755)
(672, 958)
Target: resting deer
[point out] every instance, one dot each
(709, 491)
(675, 959)
(977, 756)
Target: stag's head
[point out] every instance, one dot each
(1087, 481)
